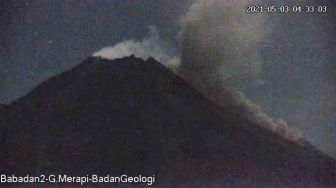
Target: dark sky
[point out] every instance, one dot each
(40, 38)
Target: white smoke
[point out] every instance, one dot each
(153, 46)
(174, 63)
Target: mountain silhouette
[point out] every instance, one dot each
(2, 106)
(130, 116)
(2, 109)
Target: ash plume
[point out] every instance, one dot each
(220, 47)
(220, 41)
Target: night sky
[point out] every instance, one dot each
(40, 38)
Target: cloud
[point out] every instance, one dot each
(152, 45)
(221, 48)
(220, 41)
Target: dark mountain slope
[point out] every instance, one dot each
(133, 116)
(2, 107)
(2, 110)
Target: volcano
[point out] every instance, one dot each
(134, 116)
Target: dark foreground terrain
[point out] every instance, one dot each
(130, 116)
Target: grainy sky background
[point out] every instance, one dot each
(40, 38)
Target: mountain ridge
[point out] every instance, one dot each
(140, 117)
